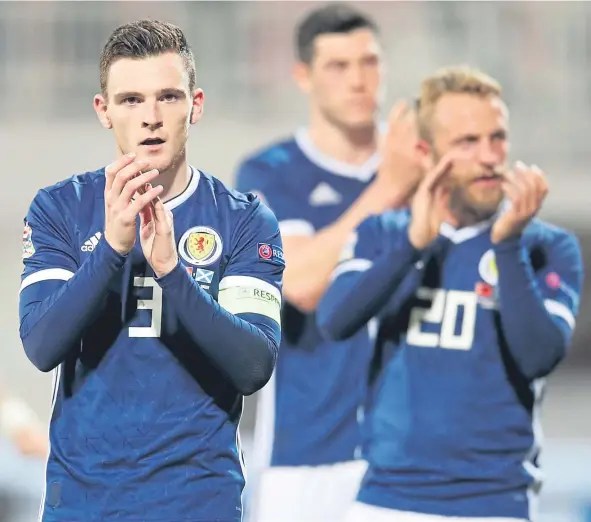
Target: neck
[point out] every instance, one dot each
(175, 179)
(351, 146)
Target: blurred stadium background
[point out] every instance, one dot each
(540, 51)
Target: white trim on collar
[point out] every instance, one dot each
(361, 172)
(187, 193)
(458, 235)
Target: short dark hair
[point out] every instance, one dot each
(142, 39)
(331, 19)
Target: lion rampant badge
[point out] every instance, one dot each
(200, 246)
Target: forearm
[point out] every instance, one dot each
(536, 341)
(52, 325)
(354, 298)
(309, 268)
(241, 350)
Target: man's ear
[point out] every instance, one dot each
(301, 76)
(425, 152)
(197, 106)
(101, 109)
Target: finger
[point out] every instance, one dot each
(512, 192)
(135, 186)
(534, 195)
(146, 215)
(404, 118)
(398, 111)
(112, 169)
(541, 181)
(392, 136)
(147, 229)
(134, 208)
(160, 210)
(521, 180)
(540, 187)
(142, 190)
(410, 125)
(441, 197)
(124, 175)
(527, 182)
(163, 218)
(127, 173)
(438, 172)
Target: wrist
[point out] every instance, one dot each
(394, 194)
(512, 242)
(415, 238)
(501, 238)
(166, 268)
(122, 251)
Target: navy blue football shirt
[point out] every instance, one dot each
(318, 384)
(150, 372)
(470, 330)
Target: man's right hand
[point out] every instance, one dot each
(430, 204)
(124, 181)
(401, 167)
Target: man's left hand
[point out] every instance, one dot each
(157, 238)
(525, 188)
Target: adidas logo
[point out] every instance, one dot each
(324, 194)
(90, 244)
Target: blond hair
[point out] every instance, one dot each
(451, 80)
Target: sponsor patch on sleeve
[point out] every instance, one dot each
(271, 253)
(557, 285)
(250, 295)
(28, 247)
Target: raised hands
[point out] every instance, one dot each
(525, 188)
(401, 163)
(429, 206)
(123, 202)
(157, 237)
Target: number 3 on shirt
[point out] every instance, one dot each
(154, 305)
(444, 311)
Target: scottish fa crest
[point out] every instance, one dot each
(200, 246)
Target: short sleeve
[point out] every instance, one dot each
(267, 183)
(47, 249)
(252, 280)
(560, 276)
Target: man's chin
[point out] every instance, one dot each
(357, 122)
(361, 124)
(486, 208)
(155, 162)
